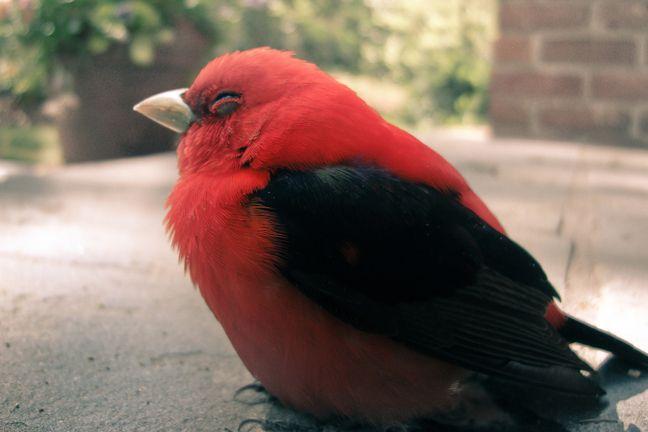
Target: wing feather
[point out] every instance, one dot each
(427, 272)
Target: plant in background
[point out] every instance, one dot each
(40, 40)
(440, 52)
(332, 33)
(437, 53)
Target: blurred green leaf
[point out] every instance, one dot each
(142, 51)
(31, 144)
(98, 44)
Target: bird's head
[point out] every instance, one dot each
(264, 109)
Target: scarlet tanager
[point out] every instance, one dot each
(355, 272)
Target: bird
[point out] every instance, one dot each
(354, 270)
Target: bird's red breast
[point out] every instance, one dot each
(302, 354)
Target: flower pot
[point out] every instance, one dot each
(103, 124)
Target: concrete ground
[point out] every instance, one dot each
(100, 330)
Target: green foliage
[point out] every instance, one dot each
(31, 144)
(332, 33)
(36, 36)
(438, 51)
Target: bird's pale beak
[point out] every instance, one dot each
(167, 109)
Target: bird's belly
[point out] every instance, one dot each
(315, 363)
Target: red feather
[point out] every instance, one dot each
(295, 116)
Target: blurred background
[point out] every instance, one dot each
(70, 70)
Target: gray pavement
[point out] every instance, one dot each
(100, 330)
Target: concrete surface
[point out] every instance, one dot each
(101, 331)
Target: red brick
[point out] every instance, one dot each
(584, 122)
(536, 84)
(508, 111)
(513, 49)
(621, 85)
(625, 14)
(590, 51)
(534, 15)
(509, 117)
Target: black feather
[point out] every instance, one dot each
(411, 262)
(575, 330)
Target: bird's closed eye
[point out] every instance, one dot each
(225, 103)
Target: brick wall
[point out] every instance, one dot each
(572, 69)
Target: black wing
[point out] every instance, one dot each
(409, 261)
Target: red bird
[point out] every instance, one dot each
(355, 272)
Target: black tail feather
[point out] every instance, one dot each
(575, 330)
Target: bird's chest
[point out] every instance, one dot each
(229, 249)
(223, 240)
(301, 353)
